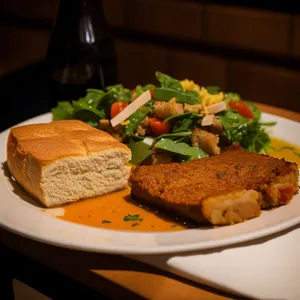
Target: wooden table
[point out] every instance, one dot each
(114, 276)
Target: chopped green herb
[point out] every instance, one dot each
(220, 175)
(132, 218)
(236, 166)
(106, 222)
(135, 224)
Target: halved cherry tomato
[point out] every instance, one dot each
(117, 107)
(158, 127)
(151, 92)
(242, 108)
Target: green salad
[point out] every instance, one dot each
(171, 121)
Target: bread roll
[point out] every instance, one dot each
(66, 161)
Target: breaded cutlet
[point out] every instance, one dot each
(223, 189)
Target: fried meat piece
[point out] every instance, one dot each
(223, 189)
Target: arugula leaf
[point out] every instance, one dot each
(233, 96)
(64, 110)
(255, 110)
(229, 119)
(140, 151)
(268, 123)
(183, 125)
(85, 112)
(249, 134)
(167, 81)
(119, 93)
(86, 108)
(180, 148)
(166, 94)
(135, 119)
(213, 89)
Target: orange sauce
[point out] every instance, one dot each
(285, 150)
(110, 210)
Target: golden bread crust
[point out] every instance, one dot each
(30, 148)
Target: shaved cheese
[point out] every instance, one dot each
(149, 141)
(207, 120)
(215, 108)
(131, 108)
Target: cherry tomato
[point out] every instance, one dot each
(117, 107)
(158, 127)
(242, 108)
(151, 92)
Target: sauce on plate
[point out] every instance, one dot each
(285, 150)
(117, 211)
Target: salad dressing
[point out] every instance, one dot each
(116, 211)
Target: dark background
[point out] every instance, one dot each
(249, 47)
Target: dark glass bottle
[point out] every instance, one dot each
(81, 53)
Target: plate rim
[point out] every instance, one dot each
(202, 245)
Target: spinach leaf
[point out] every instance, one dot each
(193, 93)
(63, 110)
(232, 96)
(140, 151)
(174, 135)
(180, 148)
(182, 116)
(135, 119)
(167, 81)
(167, 94)
(213, 89)
(141, 89)
(197, 153)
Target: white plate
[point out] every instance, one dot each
(19, 215)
